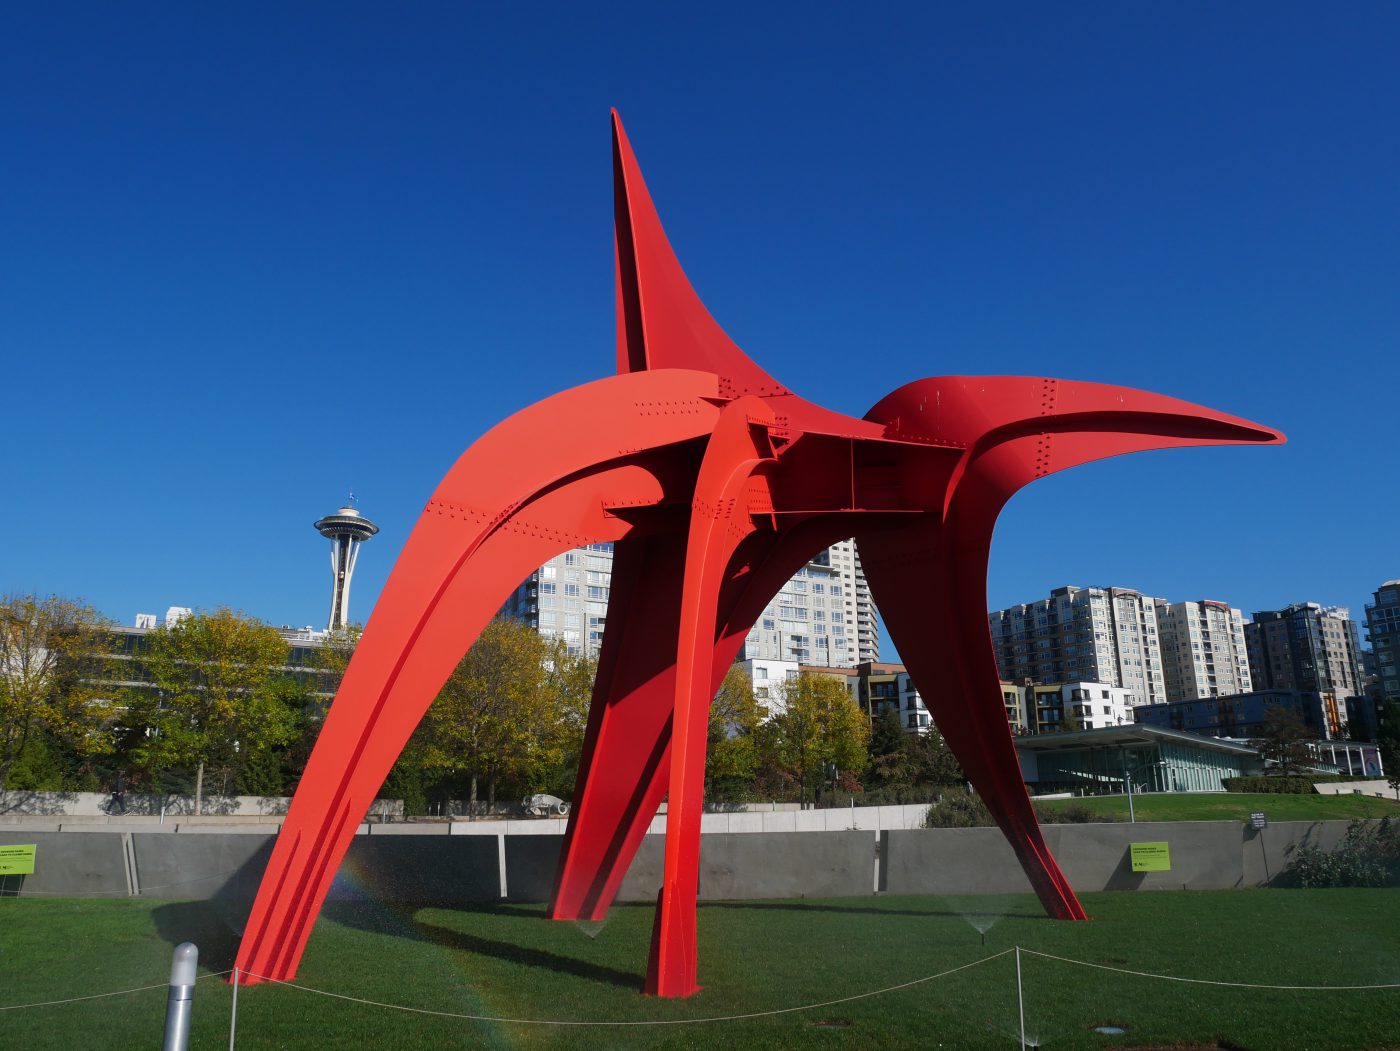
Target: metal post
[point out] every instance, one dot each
(1128, 784)
(180, 1006)
(1020, 999)
(233, 1015)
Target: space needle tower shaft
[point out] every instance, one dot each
(345, 529)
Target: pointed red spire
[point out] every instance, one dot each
(661, 323)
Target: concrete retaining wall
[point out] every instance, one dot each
(70, 805)
(1205, 855)
(732, 866)
(400, 867)
(1376, 787)
(789, 819)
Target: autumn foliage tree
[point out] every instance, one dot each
(52, 652)
(513, 711)
(818, 729)
(216, 698)
(731, 756)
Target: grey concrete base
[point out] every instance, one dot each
(464, 869)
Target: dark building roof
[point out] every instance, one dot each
(1126, 736)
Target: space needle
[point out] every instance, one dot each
(345, 530)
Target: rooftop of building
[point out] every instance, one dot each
(1126, 737)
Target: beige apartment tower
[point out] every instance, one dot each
(1103, 635)
(1203, 650)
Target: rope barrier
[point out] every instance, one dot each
(116, 894)
(723, 1018)
(642, 1022)
(1205, 981)
(103, 996)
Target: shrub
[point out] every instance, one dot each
(965, 810)
(1368, 856)
(958, 809)
(1289, 786)
(1073, 814)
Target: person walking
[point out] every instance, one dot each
(118, 803)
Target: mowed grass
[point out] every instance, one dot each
(1232, 806)
(508, 962)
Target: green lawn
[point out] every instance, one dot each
(507, 961)
(1232, 806)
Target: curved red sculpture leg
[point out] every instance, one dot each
(720, 521)
(948, 652)
(626, 757)
(1013, 430)
(487, 527)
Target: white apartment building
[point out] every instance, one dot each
(768, 678)
(823, 615)
(1104, 635)
(1203, 650)
(1095, 705)
(1069, 706)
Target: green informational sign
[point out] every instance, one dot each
(1151, 857)
(16, 860)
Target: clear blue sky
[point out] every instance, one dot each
(254, 256)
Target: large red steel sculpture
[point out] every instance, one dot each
(715, 483)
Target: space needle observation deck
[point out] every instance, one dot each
(345, 529)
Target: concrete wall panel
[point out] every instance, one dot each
(732, 866)
(81, 866)
(186, 867)
(949, 861)
(420, 870)
(787, 865)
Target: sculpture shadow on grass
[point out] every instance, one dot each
(402, 920)
(870, 910)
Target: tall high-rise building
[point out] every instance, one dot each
(1307, 647)
(346, 530)
(1383, 628)
(823, 614)
(1203, 649)
(1105, 635)
(567, 598)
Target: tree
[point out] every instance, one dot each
(910, 762)
(890, 755)
(216, 700)
(52, 652)
(932, 760)
(1388, 738)
(488, 721)
(332, 657)
(731, 754)
(1283, 740)
(819, 729)
(569, 684)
